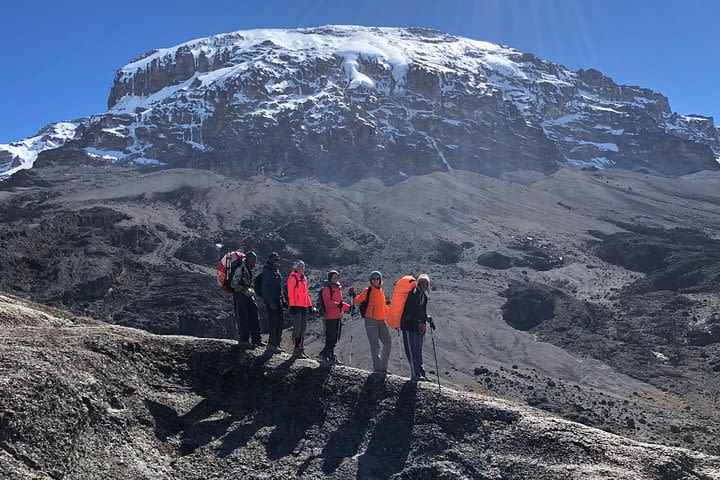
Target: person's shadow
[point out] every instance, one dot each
(391, 440)
(345, 441)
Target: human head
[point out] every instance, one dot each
(423, 282)
(299, 266)
(376, 276)
(250, 259)
(333, 276)
(273, 258)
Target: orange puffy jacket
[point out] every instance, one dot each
(298, 294)
(376, 308)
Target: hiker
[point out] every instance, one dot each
(271, 291)
(300, 306)
(334, 309)
(413, 326)
(373, 309)
(246, 309)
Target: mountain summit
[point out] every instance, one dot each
(363, 100)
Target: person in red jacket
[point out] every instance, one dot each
(334, 309)
(373, 310)
(300, 306)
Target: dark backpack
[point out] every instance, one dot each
(364, 304)
(320, 303)
(257, 285)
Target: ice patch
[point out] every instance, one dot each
(660, 356)
(149, 162)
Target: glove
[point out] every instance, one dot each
(351, 291)
(421, 328)
(340, 305)
(273, 306)
(345, 306)
(431, 322)
(312, 310)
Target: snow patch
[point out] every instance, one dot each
(149, 162)
(26, 151)
(105, 154)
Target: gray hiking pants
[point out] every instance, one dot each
(377, 331)
(298, 318)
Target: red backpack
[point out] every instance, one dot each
(226, 269)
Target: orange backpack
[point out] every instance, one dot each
(226, 269)
(403, 287)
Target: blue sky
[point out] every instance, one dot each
(59, 58)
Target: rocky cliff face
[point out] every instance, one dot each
(80, 399)
(343, 102)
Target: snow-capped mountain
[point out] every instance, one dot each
(345, 100)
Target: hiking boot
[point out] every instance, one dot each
(259, 343)
(273, 349)
(324, 358)
(380, 371)
(334, 360)
(299, 353)
(423, 378)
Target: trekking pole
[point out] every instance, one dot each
(352, 323)
(437, 370)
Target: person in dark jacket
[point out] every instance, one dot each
(334, 309)
(271, 288)
(413, 325)
(246, 310)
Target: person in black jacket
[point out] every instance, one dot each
(413, 324)
(271, 281)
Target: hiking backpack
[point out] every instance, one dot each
(257, 284)
(364, 304)
(320, 302)
(403, 287)
(226, 269)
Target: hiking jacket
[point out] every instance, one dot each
(242, 279)
(297, 287)
(271, 282)
(332, 296)
(377, 308)
(415, 311)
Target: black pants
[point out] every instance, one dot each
(246, 316)
(332, 335)
(276, 322)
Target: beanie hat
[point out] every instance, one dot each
(331, 273)
(251, 254)
(376, 274)
(297, 264)
(424, 278)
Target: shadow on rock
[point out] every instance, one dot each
(391, 440)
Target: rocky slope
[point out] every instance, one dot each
(587, 257)
(345, 102)
(82, 399)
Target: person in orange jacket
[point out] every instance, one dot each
(300, 305)
(373, 309)
(334, 309)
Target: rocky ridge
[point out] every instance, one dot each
(82, 399)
